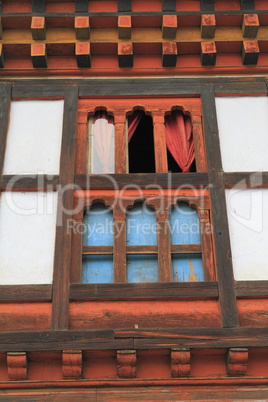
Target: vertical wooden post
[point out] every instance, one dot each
(160, 146)
(121, 142)
(206, 243)
(62, 262)
(82, 144)
(164, 248)
(200, 159)
(5, 101)
(120, 265)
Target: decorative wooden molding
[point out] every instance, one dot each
(124, 27)
(82, 53)
(180, 362)
(126, 363)
(124, 5)
(208, 26)
(237, 360)
(250, 52)
(169, 54)
(2, 59)
(39, 6)
(39, 55)
(72, 364)
(82, 27)
(250, 25)
(208, 53)
(169, 26)
(207, 5)
(169, 5)
(38, 28)
(125, 54)
(17, 366)
(81, 6)
(247, 4)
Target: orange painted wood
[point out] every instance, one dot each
(253, 312)
(82, 27)
(124, 27)
(38, 28)
(17, 366)
(72, 364)
(208, 53)
(39, 55)
(206, 231)
(25, 316)
(208, 26)
(126, 363)
(121, 141)
(119, 250)
(169, 26)
(161, 314)
(180, 362)
(250, 26)
(237, 360)
(81, 149)
(160, 146)
(250, 52)
(164, 251)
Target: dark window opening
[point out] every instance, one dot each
(141, 147)
(173, 167)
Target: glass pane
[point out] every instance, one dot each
(102, 149)
(98, 226)
(97, 269)
(184, 225)
(141, 226)
(187, 268)
(142, 268)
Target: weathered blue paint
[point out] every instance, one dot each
(187, 268)
(184, 225)
(98, 269)
(142, 268)
(98, 231)
(141, 231)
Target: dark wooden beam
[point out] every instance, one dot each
(81, 6)
(124, 6)
(246, 179)
(227, 297)
(251, 289)
(207, 5)
(25, 293)
(39, 6)
(62, 260)
(247, 4)
(5, 100)
(169, 5)
(31, 182)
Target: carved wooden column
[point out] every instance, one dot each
(180, 362)
(126, 363)
(160, 146)
(237, 361)
(121, 142)
(72, 364)
(17, 366)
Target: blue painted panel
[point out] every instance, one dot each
(184, 225)
(98, 226)
(187, 268)
(97, 269)
(141, 226)
(142, 268)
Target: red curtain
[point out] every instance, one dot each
(179, 139)
(133, 122)
(103, 142)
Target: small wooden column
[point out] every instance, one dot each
(38, 28)
(82, 143)
(124, 27)
(206, 243)
(120, 264)
(164, 248)
(250, 25)
(207, 5)
(250, 52)
(72, 364)
(237, 360)
(169, 54)
(180, 362)
(199, 146)
(39, 55)
(126, 363)
(82, 53)
(169, 26)
(125, 54)
(82, 27)
(17, 366)
(160, 146)
(208, 26)
(121, 141)
(208, 53)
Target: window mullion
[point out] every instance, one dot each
(120, 271)
(206, 244)
(164, 249)
(160, 147)
(120, 142)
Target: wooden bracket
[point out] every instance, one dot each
(2, 60)
(39, 6)
(169, 5)
(169, 54)
(237, 360)
(82, 54)
(180, 362)
(208, 53)
(72, 364)
(169, 26)
(250, 25)
(250, 52)
(38, 28)
(82, 27)
(81, 6)
(207, 5)
(17, 366)
(125, 54)
(39, 55)
(208, 26)
(126, 363)
(124, 5)
(124, 27)
(247, 4)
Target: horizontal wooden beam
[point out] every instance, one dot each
(145, 291)
(31, 182)
(25, 293)
(251, 289)
(246, 179)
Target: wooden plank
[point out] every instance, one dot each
(142, 180)
(92, 250)
(29, 182)
(246, 179)
(59, 340)
(43, 90)
(168, 5)
(187, 290)
(62, 261)
(38, 6)
(227, 297)
(247, 5)
(124, 6)
(25, 292)
(81, 6)
(207, 5)
(5, 101)
(252, 289)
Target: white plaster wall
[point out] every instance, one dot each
(27, 237)
(243, 130)
(34, 137)
(248, 225)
